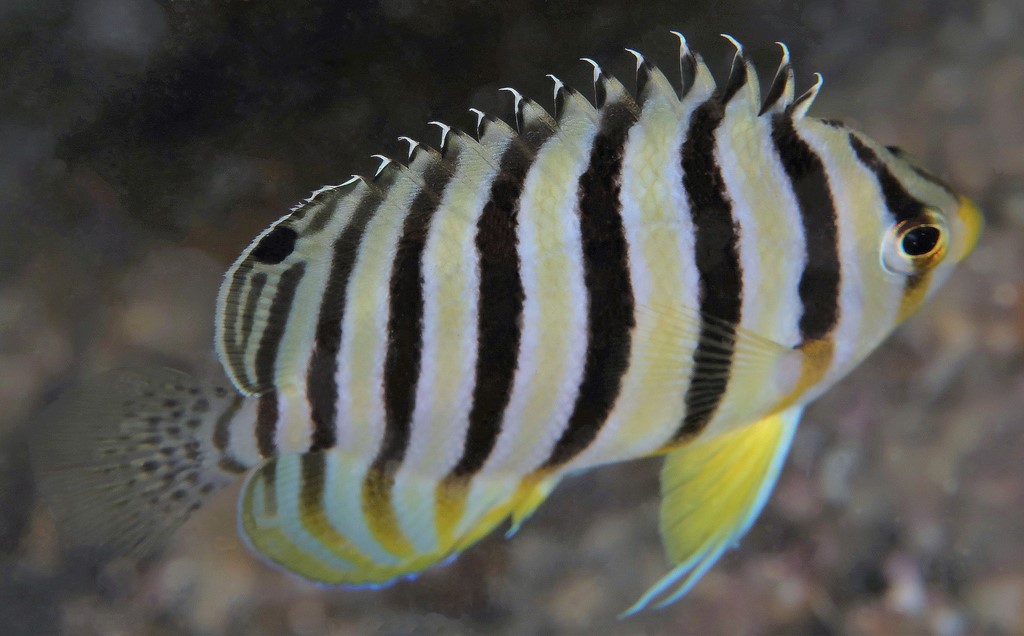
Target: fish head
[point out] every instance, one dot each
(928, 229)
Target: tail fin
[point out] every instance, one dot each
(125, 458)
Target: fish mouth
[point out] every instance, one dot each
(973, 222)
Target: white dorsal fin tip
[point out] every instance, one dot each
(639, 57)
(597, 68)
(413, 144)
(514, 92)
(785, 53)
(384, 161)
(479, 119)
(353, 179)
(318, 192)
(559, 86)
(445, 129)
(735, 43)
(803, 103)
(683, 47)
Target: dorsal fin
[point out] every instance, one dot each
(445, 131)
(557, 95)
(575, 105)
(799, 107)
(576, 117)
(481, 120)
(600, 83)
(413, 146)
(698, 83)
(780, 95)
(616, 93)
(659, 90)
(687, 66)
(742, 87)
(491, 144)
(643, 72)
(384, 175)
(384, 162)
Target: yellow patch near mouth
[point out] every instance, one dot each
(973, 222)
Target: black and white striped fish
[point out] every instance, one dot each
(423, 354)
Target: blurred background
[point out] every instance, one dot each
(143, 143)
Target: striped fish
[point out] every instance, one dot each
(421, 355)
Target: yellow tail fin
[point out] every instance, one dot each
(711, 492)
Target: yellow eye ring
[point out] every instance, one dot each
(916, 244)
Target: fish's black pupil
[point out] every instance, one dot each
(921, 241)
(276, 246)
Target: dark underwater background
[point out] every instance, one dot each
(143, 143)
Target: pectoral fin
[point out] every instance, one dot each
(711, 492)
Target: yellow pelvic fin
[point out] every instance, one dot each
(711, 492)
(308, 514)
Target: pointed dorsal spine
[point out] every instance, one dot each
(743, 85)
(445, 130)
(799, 107)
(780, 95)
(600, 83)
(643, 71)
(557, 95)
(517, 106)
(697, 82)
(413, 146)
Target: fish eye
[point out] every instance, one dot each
(915, 244)
(920, 241)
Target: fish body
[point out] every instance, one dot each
(420, 355)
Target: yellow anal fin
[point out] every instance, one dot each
(711, 492)
(309, 515)
(532, 493)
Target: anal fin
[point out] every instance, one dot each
(314, 515)
(711, 492)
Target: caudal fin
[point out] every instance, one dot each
(123, 459)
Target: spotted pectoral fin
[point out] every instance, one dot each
(711, 492)
(333, 518)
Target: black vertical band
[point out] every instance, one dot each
(819, 282)
(266, 424)
(610, 306)
(716, 247)
(500, 307)
(277, 321)
(321, 387)
(405, 317)
(901, 203)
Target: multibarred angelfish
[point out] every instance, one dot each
(420, 355)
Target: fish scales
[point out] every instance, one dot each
(422, 354)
